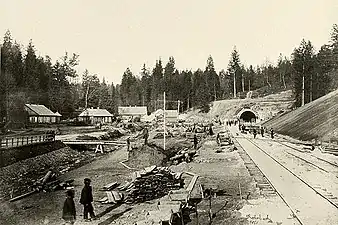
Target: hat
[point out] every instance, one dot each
(87, 180)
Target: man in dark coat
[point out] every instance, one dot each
(195, 141)
(145, 136)
(254, 133)
(87, 199)
(272, 133)
(68, 212)
(262, 131)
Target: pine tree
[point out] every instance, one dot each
(234, 70)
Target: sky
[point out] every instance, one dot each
(111, 35)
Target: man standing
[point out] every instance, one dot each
(272, 133)
(87, 199)
(254, 133)
(262, 131)
(195, 141)
(145, 136)
(128, 144)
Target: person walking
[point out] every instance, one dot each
(69, 212)
(87, 199)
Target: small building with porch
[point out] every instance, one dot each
(41, 114)
(95, 116)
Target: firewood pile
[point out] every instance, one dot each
(184, 155)
(150, 183)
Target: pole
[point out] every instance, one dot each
(303, 88)
(235, 85)
(178, 106)
(164, 121)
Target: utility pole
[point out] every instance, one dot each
(178, 106)
(164, 121)
(303, 88)
(249, 84)
(235, 84)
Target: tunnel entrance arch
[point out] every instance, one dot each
(248, 115)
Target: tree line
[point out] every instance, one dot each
(29, 78)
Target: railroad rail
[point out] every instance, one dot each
(276, 174)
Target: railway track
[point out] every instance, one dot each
(262, 183)
(301, 211)
(318, 189)
(297, 149)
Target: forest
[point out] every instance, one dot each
(30, 78)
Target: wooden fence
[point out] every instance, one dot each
(10, 142)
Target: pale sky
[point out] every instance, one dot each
(111, 35)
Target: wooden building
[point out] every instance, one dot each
(95, 116)
(41, 114)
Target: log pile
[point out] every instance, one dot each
(185, 155)
(47, 183)
(150, 183)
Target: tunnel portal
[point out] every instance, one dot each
(248, 116)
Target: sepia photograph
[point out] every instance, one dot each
(169, 112)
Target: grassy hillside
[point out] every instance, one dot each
(315, 120)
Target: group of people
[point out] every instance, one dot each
(262, 131)
(69, 211)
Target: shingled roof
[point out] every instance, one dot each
(40, 110)
(95, 112)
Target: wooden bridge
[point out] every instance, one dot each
(16, 141)
(99, 143)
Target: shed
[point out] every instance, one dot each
(41, 114)
(94, 116)
(132, 111)
(171, 116)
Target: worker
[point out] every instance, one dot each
(262, 131)
(128, 144)
(210, 130)
(254, 133)
(145, 136)
(272, 133)
(195, 142)
(69, 212)
(218, 139)
(87, 199)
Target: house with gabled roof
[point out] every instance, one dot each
(41, 114)
(95, 116)
(132, 111)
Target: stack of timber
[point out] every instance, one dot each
(47, 183)
(150, 183)
(113, 196)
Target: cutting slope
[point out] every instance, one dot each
(315, 120)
